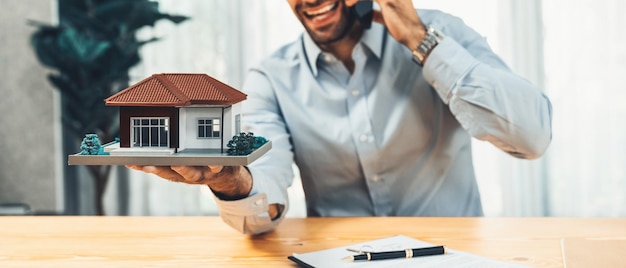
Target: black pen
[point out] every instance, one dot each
(407, 253)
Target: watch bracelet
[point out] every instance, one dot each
(430, 41)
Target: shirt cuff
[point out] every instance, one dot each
(248, 215)
(249, 206)
(262, 183)
(446, 66)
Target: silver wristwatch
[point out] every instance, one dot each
(431, 40)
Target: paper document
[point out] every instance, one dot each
(452, 258)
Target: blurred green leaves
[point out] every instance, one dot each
(91, 50)
(79, 48)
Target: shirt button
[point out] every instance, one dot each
(363, 138)
(376, 178)
(355, 92)
(328, 57)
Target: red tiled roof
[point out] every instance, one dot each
(177, 89)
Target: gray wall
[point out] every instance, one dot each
(29, 160)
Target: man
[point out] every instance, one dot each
(379, 121)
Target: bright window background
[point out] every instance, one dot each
(581, 43)
(508, 186)
(585, 63)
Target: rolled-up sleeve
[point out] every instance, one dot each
(489, 101)
(272, 173)
(248, 215)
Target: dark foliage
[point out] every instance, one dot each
(244, 144)
(91, 52)
(91, 145)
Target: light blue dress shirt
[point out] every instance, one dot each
(391, 139)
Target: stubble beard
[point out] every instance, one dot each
(341, 30)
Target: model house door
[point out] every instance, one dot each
(149, 132)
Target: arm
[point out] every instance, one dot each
(489, 101)
(251, 199)
(271, 174)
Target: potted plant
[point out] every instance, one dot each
(91, 51)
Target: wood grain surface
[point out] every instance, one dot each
(65, 241)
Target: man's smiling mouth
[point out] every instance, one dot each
(320, 13)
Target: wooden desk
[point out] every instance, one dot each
(208, 242)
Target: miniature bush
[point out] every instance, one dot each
(244, 144)
(90, 145)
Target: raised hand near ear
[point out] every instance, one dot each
(400, 19)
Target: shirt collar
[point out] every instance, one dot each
(372, 38)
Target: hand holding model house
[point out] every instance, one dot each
(179, 119)
(178, 127)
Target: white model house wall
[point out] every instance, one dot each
(233, 125)
(188, 118)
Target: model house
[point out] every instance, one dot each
(175, 112)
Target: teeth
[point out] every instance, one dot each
(321, 10)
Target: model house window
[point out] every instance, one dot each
(208, 128)
(150, 132)
(237, 124)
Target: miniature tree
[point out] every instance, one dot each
(90, 145)
(91, 51)
(244, 144)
